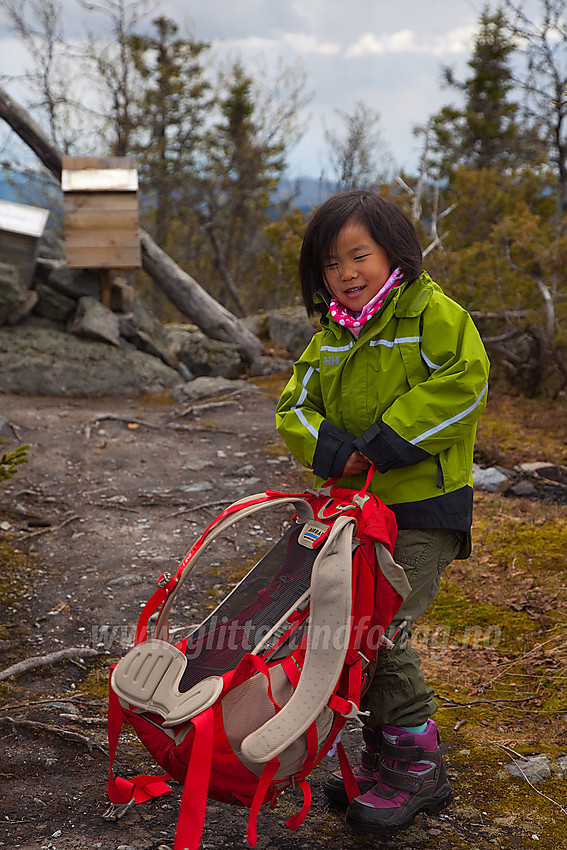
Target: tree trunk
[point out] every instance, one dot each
(182, 290)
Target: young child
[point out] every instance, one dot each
(397, 377)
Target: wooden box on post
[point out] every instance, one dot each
(100, 205)
(21, 228)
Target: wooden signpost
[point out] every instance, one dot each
(100, 205)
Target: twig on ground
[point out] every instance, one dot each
(200, 507)
(51, 658)
(78, 698)
(210, 429)
(51, 527)
(130, 420)
(532, 786)
(203, 403)
(211, 405)
(452, 704)
(67, 734)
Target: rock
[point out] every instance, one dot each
(291, 328)
(12, 292)
(74, 283)
(202, 387)
(36, 360)
(492, 480)
(53, 304)
(94, 321)
(204, 356)
(523, 488)
(535, 769)
(25, 308)
(261, 366)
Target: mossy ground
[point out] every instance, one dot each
(494, 643)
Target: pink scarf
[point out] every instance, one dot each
(354, 321)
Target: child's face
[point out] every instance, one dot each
(359, 269)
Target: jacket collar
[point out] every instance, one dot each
(405, 301)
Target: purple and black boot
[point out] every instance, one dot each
(411, 779)
(366, 775)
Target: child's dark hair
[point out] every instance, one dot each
(386, 223)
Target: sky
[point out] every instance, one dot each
(386, 53)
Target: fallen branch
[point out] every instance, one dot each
(188, 508)
(452, 704)
(211, 405)
(211, 429)
(51, 527)
(67, 734)
(128, 419)
(51, 658)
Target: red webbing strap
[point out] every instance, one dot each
(349, 781)
(312, 738)
(143, 787)
(268, 773)
(196, 785)
(115, 790)
(154, 602)
(296, 820)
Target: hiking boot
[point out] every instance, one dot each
(412, 779)
(366, 775)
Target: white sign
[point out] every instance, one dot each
(99, 180)
(20, 218)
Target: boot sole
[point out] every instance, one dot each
(378, 827)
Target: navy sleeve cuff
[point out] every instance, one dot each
(334, 447)
(384, 447)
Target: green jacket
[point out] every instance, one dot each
(408, 393)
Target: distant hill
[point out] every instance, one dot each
(32, 188)
(306, 192)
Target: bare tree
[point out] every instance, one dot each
(112, 58)
(38, 24)
(359, 156)
(543, 43)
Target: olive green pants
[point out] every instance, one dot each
(398, 695)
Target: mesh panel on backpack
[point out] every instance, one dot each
(247, 614)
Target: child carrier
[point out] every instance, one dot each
(253, 698)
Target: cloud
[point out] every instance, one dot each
(407, 41)
(310, 44)
(303, 43)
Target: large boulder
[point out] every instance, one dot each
(204, 356)
(39, 360)
(291, 328)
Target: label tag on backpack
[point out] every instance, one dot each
(312, 534)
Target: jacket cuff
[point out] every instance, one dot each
(334, 447)
(384, 447)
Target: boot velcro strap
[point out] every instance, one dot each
(401, 753)
(370, 761)
(402, 779)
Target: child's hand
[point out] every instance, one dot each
(356, 464)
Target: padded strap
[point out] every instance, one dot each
(401, 753)
(330, 613)
(402, 779)
(148, 677)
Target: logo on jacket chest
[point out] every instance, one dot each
(331, 360)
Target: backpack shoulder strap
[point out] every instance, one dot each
(330, 612)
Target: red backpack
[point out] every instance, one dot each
(253, 698)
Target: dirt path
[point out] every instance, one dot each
(115, 493)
